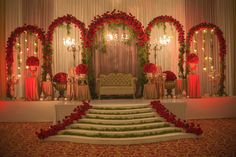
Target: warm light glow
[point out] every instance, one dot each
(18, 44)
(206, 58)
(35, 44)
(27, 49)
(20, 60)
(210, 58)
(35, 52)
(203, 49)
(164, 40)
(26, 40)
(212, 67)
(18, 68)
(68, 41)
(212, 30)
(27, 67)
(196, 32)
(21, 52)
(109, 37)
(204, 31)
(203, 41)
(204, 68)
(194, 41)
(19, 75)
(195, 50)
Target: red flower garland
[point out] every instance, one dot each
(11, 42)
(170, 76)
(81, 69)
(32, 61)
(60, 78)
(150, 68)
(179, 29)
(170, 117)
(116, 17)
(192, 58)
(77, 114)
(222, 43)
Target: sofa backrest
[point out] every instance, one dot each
(116, 79)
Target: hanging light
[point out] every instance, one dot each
(164, 40)
(68, 41)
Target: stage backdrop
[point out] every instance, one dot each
(188, 12)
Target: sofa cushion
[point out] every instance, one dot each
(118, 79)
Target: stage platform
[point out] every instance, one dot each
(51, 111)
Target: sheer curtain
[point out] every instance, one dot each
(188, 12)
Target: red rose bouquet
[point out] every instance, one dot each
(60, 78)
(81, 69)
(170, 76)
(32, 61)
(150, 68)
(192, 58)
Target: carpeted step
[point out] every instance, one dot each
(122, 141)
(121, 122)
(120, 112)
(130, 127)
(121, 117)
(119, 134)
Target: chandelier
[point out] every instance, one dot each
(164, 40)
(68, 41)
(116, 37)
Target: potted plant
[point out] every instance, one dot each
(192, 60)
(150, 69)
(60, 81)
(82, 70)
(32, 62)
(169, 81)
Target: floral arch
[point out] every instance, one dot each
(179, 28)
(218, 32)
(116, 17)
(11, 42)
(68, 19)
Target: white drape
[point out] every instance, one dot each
(188, 12)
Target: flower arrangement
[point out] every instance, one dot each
(78, 112)
(150, 68)
(32, 61)
(192, 58)
(170, 76)
(81, 69)
(170, 117)
(60, 78)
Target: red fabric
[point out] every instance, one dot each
(194, 88)
(31, 88)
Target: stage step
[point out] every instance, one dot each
(120, 124)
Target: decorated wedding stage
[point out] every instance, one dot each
(114, 58)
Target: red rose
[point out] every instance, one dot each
(192, 58)
(170, 76)
(60, 78)
(32, 61)
(81, 69)
(150, 68)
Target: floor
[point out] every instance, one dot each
(218, 140)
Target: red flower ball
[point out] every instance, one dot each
(60, 77)
(192, 58)
(170, 76)
(32, 61)
(81, 69)
(150, 68)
